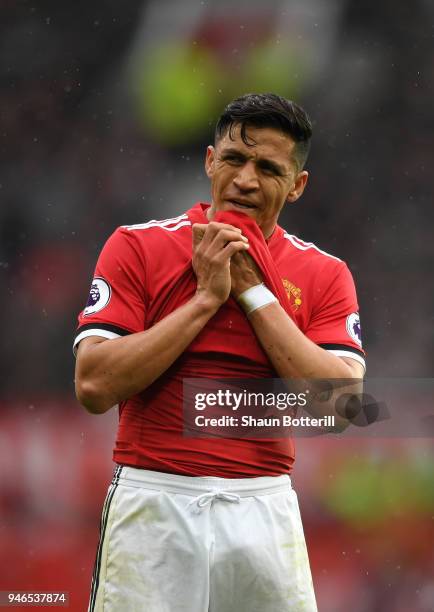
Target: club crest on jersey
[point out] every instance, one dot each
(353, 328)
(293, 293)
(99, 296)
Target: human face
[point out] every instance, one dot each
(256, 179)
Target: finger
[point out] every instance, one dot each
(213, 244)
(224, 236)
(211, 238)
(213, 229)
(243, 258)
(199, 230)
(214, 226)
(230, 250)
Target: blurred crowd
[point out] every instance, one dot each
(106, 109)
(98, 127)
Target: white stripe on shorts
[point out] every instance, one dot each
(103, 526)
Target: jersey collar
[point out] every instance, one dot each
(197, 214)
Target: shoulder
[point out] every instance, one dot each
(316, 272)
(307, 255)
(308, 250)
(155, 234)
(161, 226)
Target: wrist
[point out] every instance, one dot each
(207, 304)
(255, 297)
(242, 284)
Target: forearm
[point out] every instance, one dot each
(293, 355)
(290, 351)
(111, 371)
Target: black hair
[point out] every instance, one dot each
(268, 111)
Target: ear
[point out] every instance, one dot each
(298, 186)
(209, 161)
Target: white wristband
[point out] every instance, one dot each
(256, 297)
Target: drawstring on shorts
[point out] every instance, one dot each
(206, 499)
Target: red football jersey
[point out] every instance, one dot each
(143, 273)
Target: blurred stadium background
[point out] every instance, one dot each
(105, 112)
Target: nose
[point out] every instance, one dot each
(246, 178)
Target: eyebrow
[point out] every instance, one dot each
(262, 162)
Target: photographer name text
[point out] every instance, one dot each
(285, 420)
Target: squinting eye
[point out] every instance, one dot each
(233, 159)
(269, 171)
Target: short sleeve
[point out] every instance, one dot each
(335, 321)
(117, 301)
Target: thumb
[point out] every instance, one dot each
(198, 233)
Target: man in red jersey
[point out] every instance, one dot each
(212, 524)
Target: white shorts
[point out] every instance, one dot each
(174, 543)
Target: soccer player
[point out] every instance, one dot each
(192, 524)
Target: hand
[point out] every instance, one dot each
(213, 246)
(244, 273)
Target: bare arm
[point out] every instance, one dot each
(289, 350)
(110, 371)
(293, 354)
